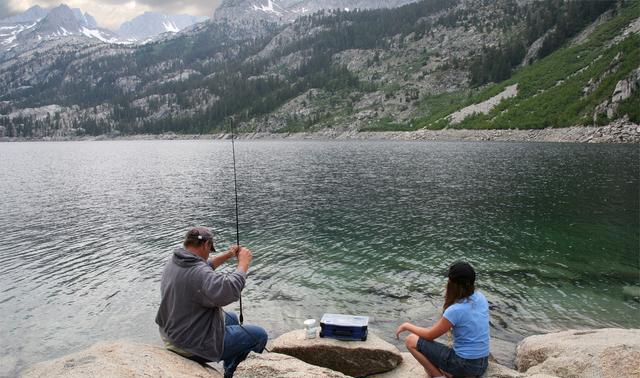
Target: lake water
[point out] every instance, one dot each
(350, 227)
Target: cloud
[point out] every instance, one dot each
(112, 13)
(5, 10)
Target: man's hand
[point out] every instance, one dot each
(233, 251)
(216, 261)
(244, 259)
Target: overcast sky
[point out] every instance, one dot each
(111, 13)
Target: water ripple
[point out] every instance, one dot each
(369, 227)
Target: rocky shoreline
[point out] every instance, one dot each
(609, 352)
(620, 131)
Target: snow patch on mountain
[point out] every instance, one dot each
(97, 34)
(301, 10)
(270, 8)
(150, 25)
(170, 26)
(9, 34)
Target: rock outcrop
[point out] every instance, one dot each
(121, 359)
(624, 89)
(281, 365)
(632, 292)
(610, 352)
(355, 358)
(483, 107)
(408, 368)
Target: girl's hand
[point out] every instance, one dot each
(401, 328)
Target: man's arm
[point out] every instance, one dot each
(218, 260)
(220, 289)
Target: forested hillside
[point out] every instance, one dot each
(403, 68)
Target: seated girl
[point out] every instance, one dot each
(466, 312)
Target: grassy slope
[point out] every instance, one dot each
(550, 90)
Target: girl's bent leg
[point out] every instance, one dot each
(412, 345)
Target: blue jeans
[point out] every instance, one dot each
(446, 359)
(239, 341)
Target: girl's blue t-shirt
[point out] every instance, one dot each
(470, 319)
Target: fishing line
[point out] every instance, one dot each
(235, 187)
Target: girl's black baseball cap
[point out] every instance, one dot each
(461, 271)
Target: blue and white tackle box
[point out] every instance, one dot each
(344, 327)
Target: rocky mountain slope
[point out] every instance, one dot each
(550, 63)
(286, 11)
(150, 24)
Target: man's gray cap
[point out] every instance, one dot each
(199, 233)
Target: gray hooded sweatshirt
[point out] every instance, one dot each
(190, 314)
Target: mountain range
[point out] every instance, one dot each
(428, 64)
(63, 21)
(37, 24)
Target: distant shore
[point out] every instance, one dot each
(621, 131)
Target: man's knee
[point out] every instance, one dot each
(261, 334)
(231, 318)
(411, 341)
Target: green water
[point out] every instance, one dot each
(352, 227)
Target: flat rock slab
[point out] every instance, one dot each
(495, 370)
(354, 358)
(121, 359)
(276, 365)
(609, 352)
(408, 368)
(411, 368)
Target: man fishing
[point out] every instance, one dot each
(192, 322)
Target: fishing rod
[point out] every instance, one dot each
(235, 188)
(235, 185)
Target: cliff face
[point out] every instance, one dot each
(381, 69)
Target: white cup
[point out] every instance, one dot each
(310, 329)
